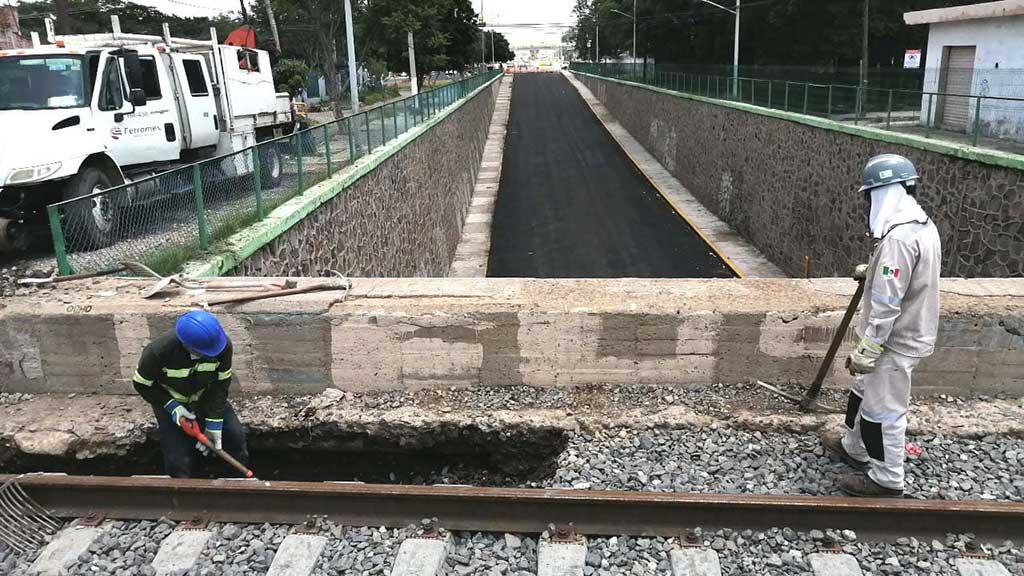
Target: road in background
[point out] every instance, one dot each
(573, 205)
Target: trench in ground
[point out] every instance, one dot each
(443, 454)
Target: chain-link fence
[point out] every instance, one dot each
(976, 118)
(169, 218)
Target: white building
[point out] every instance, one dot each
(974, 50)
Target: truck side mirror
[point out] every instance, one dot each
(137, 96)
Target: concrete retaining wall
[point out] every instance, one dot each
(410, 333)
(787, 183)
(402, 217)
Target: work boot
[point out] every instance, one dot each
(833, 442)
(863, 486)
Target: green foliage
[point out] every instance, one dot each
(93, 16)
(290, 75)
(782, 32)
(502, 51)
(388, 93)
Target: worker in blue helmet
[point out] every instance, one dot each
(185, 375)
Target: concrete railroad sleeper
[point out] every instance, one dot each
(467, 508)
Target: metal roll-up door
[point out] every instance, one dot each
(958, 78)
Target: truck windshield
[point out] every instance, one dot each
(41, 82)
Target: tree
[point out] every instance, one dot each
(445, 33)
(93, 16)
(502, 51)
(291, 75)
(311, 31)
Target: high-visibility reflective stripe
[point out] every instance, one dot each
(215, 425)
(144, 381)
(224, 375)
(181, 397)
(177, 372)
(207, 367)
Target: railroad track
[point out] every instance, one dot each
(96, 501)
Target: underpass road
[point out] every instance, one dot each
(573, 205)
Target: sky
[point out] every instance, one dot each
(496, 12)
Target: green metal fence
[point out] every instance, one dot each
(169, 218)
(966, 118)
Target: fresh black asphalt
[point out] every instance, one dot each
(573, 205)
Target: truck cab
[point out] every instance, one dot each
(94, 111)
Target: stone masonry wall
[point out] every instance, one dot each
(790, 188)
(404, 218)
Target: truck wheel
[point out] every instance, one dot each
(271, 166)
(89, 224)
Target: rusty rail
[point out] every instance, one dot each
(511, 510)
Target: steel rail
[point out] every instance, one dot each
(512, 509)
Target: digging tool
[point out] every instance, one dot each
(140, 269)
(341, 283)
(191, 427)
(227, 285)
(809, 400)
(61, 279)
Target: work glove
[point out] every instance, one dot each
(864, 359)
(860, 272)
(178, 411)
(215, 433)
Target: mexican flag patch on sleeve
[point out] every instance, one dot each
(890, 272)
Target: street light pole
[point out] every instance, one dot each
(353, 85)
(736, 52)
(483, 37)
(633, 16)
(736, 45)
(597, 49)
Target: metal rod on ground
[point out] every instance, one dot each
(342, 284)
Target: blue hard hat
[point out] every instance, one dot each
(200, 331)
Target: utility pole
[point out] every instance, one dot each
(493, 59)
(864, 60)
(353, 85)
(63, 17)
(483, 37)
(273, 25)
(597, 50)
(412, 65)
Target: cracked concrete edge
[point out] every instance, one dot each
(982, 155)
(744, 258)
(42, 424)
(473, 251)
(226, 254)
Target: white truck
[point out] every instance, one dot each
(88, 112)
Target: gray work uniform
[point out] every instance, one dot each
(900, 312)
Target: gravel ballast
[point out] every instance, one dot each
(737, 461)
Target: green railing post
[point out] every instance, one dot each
(257, 182)
(351, 140)
(298, 160)
(369, 140)
(807, 88)
(769, 93)
(197, 190)
(829, 102)
(394, 117)
(405, 114)
(888, 113)
(928, 119)
(60, 249)
(327, 149)
(785, 104)
(383, 126)
(977, 122)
